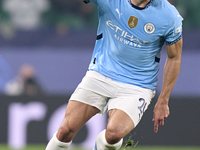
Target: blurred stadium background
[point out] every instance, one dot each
(46, 46)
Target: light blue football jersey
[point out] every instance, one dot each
(130, 38)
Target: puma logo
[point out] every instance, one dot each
(117, 10)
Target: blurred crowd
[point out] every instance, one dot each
(190, 12)
(25, 83)
(65, 14)
(30, 15)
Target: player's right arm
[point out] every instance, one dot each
(173, 38)
(171, 72)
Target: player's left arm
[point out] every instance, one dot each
(171, 72)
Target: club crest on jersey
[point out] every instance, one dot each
(149, 28)
(132, 22)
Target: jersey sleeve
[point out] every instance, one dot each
(174, 30)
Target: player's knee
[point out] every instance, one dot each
(113, 135)
(66, 133)
(62, 134)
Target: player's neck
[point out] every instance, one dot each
(140, 3)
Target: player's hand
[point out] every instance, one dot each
(161, 111)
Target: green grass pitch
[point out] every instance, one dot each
(42, 147)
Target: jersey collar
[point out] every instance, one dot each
(140, 8)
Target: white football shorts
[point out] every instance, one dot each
(102, 92)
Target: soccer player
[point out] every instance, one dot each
(123, 71)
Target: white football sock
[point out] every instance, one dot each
(102, 144)
(55, 144)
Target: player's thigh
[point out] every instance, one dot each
(132, 100)
(119, 123)
(77, 114)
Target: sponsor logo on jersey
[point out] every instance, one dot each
(149, 28)
(132, 22)
(124, 36)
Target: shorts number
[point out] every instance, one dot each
(142, 107)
